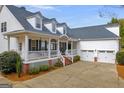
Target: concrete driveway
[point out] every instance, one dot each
(78, 75)
(4, 83)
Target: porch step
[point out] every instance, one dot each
(67, 60)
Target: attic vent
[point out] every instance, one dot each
(23, 8)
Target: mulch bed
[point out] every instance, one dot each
(14, 77)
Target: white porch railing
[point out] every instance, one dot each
(33, 55)
(37, 55)
(54, 53)
(75, 52)
(71, 52)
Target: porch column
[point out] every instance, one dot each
(49, 50)
(72, 50)
(67, 47)
(8, 37)
(26, 48)
(71, 47)
(17, 44)
(58, 48)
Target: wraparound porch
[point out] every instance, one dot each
(33, 47)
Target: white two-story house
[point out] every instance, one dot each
(40, 40)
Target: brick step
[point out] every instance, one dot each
(67, 61)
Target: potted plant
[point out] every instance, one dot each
(120, 63)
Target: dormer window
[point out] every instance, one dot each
(38, 22)
(53, 27)
(64, 30)
(4, 27)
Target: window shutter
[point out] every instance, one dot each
(45, 45)
(39, 44)
(36, 45)
(29, 45)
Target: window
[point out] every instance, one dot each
(102, 51)
(53, 27)
(84, 50)
(4, 27)
(20, 46)
(37, 45)
(38, 22)
(110, 51)
(90, 50)
(53, 44)
(64, 30)
(33, 45)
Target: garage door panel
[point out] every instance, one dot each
(87, 55)
(106, 56)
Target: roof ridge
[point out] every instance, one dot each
(102, 25)
(20, 8)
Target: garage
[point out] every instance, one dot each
(107, 56)
(87, 55)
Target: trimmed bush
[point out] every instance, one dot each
(8, 61)
(76, 58)
(34, 71)
(120, 58)
(44, 68)
(58, 63)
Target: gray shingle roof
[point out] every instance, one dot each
(22, 14)
(91, 32)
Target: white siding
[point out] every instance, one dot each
(97, 46)
(32, 21)
(12, 25)
(114, 30)
(48, 26)
(60, 29)
(100, 45)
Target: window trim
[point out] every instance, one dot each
(3, 26)
(38, 22)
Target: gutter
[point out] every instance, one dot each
(98, 39)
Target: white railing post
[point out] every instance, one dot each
(71, 47)
(49, 50)
(8, 43)
(26, 48)
(58, 51)
(67, 47)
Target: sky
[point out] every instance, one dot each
(79, 15)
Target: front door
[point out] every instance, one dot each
(62, 47)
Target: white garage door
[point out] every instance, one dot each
(87, 55)
(106, 56)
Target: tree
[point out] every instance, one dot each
(114, 20)
(121, 23)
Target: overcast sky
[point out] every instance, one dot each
(77, 16)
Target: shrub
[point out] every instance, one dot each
(120, 58)
(122, 46)
(76, 58)
(18, 66)
(8, 61)
(44, 68)
(34, 71)
(58, 63)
